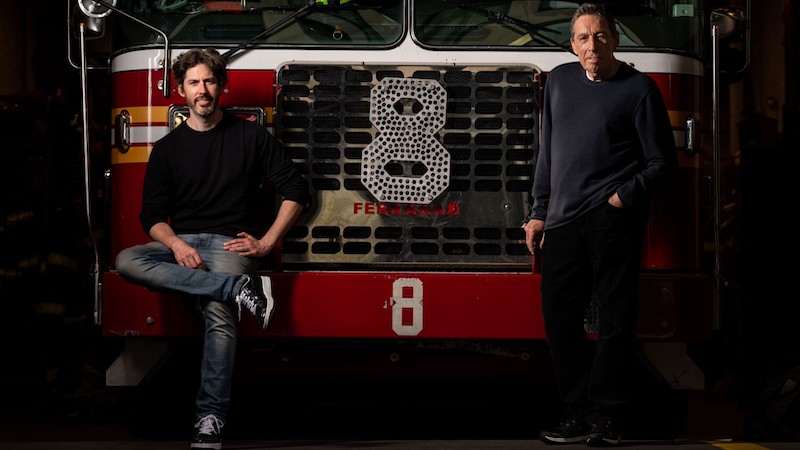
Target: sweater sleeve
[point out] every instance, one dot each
(658, 150)
(283, 174)
(156, 196)
(540, 191)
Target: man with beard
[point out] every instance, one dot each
(204, 207)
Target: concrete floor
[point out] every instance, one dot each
(713, 421)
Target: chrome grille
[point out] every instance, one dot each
(417, 167)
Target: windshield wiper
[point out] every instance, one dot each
(341, 7)
(533, 30)
(311, 4)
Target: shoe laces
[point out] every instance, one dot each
(603, 421)
(572, 422)
(209, 424)
(246, 297)
(604, 425)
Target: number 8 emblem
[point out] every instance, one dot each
(407, 112)
(413, 304)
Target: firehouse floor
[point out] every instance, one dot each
(713, 421)
(74, 409)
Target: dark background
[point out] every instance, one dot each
(54, 357)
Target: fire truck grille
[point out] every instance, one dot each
(417, 167)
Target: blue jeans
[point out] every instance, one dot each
(595, 258)
(153, 265)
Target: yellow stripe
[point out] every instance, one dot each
(16, 217)
(10, 274)
(29, 262)
(737, 445)
(135, 154)
(160, 114)
(140, 154)
(139, 114)
(50, 308)
(59, 259)
(144, 114)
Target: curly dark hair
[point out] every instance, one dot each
(208, 56)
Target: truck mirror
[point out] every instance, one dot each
(94, 9)
(734, 39)
(730, 22)
(94, 21)
(95, 28)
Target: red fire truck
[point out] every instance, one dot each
(416, 125)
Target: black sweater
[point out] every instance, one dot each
(211, 182)
(599, 138)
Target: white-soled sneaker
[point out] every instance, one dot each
(256, 297)
(208, 433)
(604, 433)
(571, 431)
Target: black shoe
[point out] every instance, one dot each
(604, 433)
(208, 433)
(570, 431)
(256, 296)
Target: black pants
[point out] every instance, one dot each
(597, 259)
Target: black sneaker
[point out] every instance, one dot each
(208, 433)
(604, 433)
(569, 431)
(256, 296)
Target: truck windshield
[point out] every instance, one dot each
(436, 24)
(660, 24)
(222, 23)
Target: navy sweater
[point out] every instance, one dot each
(211, 182)
(599, 138)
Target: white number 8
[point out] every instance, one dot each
(413, 304)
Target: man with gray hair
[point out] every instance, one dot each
(606, 146)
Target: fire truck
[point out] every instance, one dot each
(416, 124)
